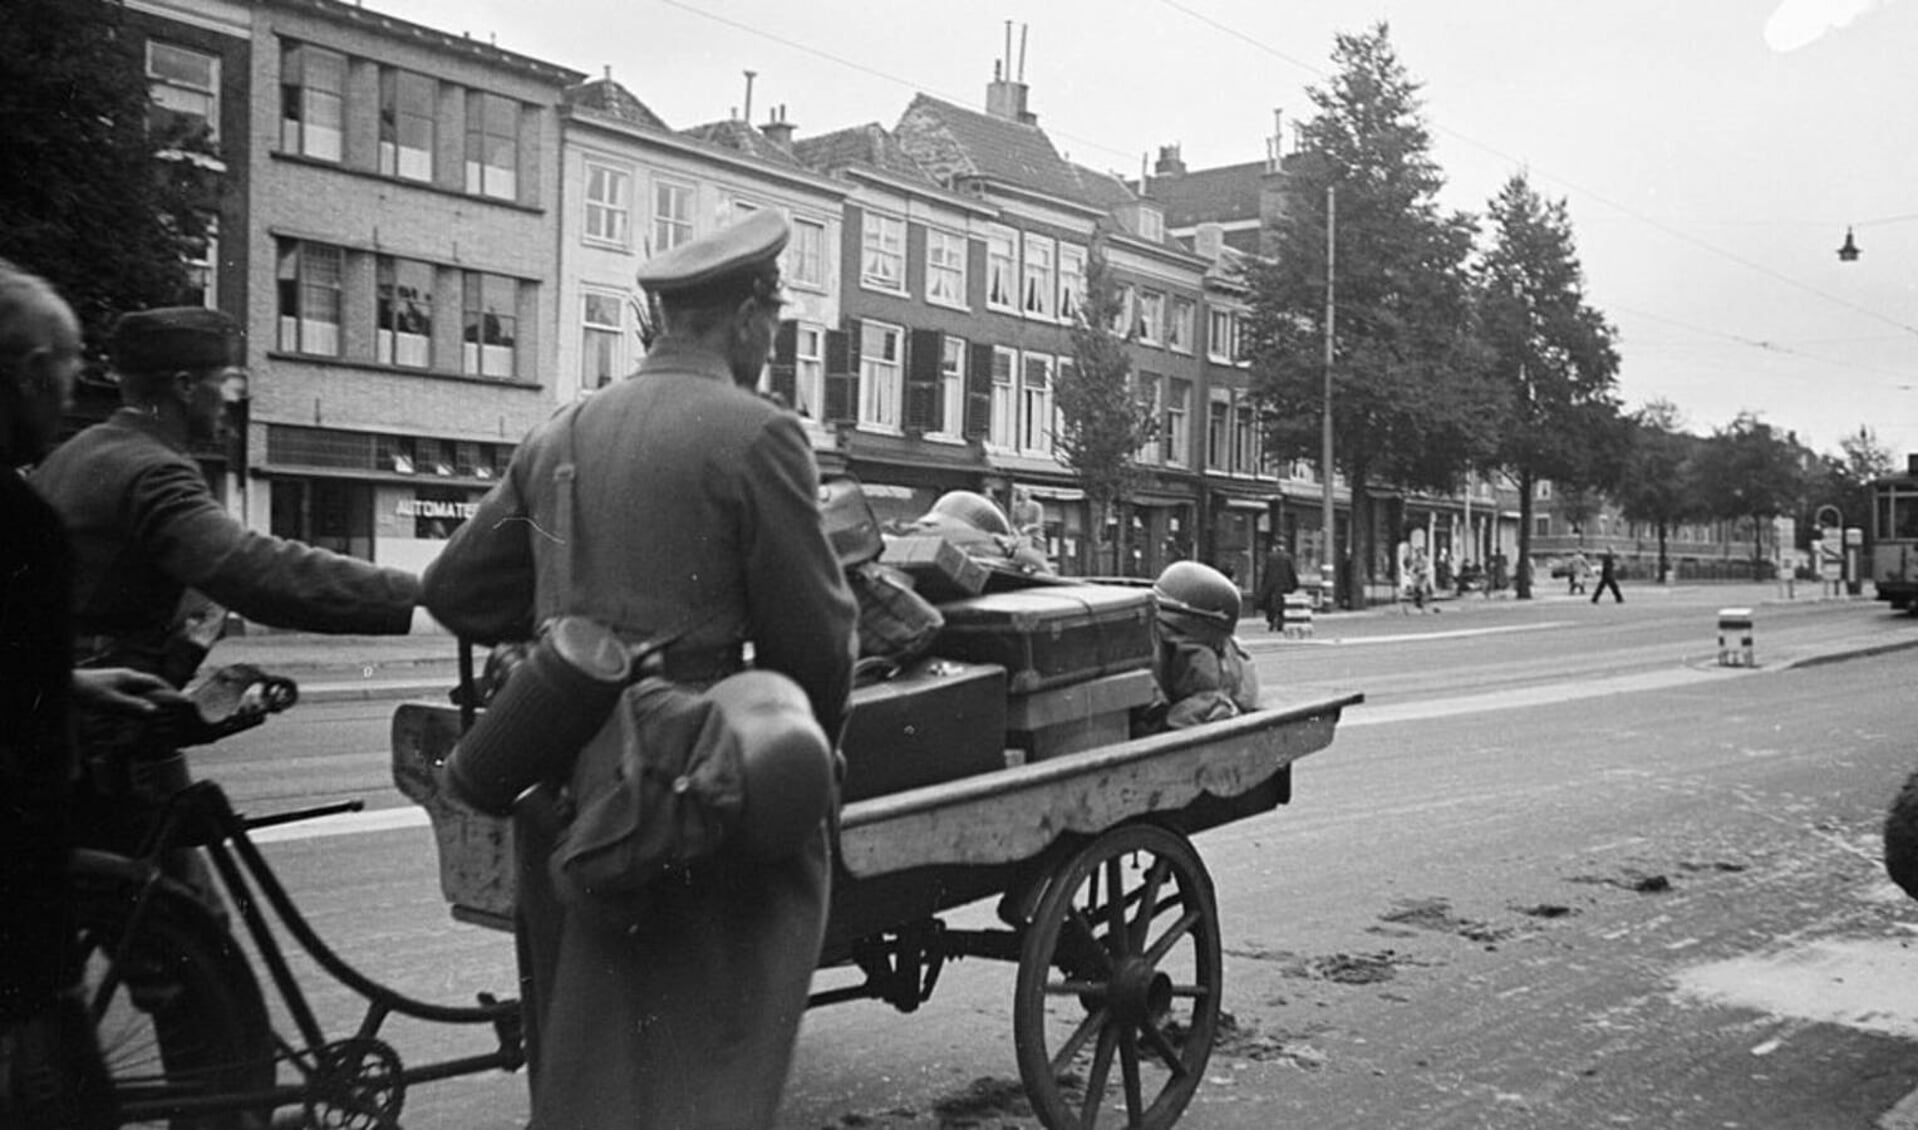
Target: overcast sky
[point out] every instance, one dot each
(1712, 152)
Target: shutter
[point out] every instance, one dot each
(785, 366)
(925, 357)
(842, 374)
(979, 392)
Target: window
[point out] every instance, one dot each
(1122, 323)
(1178, 331)
(312, 101)
(490, 325)
(1152, 392)
(672, 215)
(1245, 437)
(1035, 407)
(809, 375)
(1072, 281)
(602, 338)
(946, 268)
(185, 87)
(1222, 343)
(1005, 410)
(203, 267)
(1002, 255)
(408, 108)
(1178, 439)
(1040, 277)
(881, 374)
(1151, 317)
(1218, 430)
(882, 259)
(1542, 525)
(606, 202)
(1151, 224)
(952, 385)
(806, 255)
(492, 145)
(310, 297)
(404, 335)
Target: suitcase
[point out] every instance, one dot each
(939, 568)
(851, 526)
(1077, 716)
(935, 721)
(1052, 635)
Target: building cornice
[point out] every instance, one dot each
(796, 176)
(352, 15)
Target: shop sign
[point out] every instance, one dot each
(435, 508)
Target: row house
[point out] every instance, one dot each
(404, 219)
(633, 188)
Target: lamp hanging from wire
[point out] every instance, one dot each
(1849, 252)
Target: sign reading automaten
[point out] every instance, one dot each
(435, 508)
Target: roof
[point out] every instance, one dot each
(607, 97)
(870, 144)
(952, 142)
(1107, 190)
(741, 138)
(1229, 192)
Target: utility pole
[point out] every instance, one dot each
(1325, 437)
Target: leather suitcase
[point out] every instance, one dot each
(1052, 635)
(935, 721)
(1077, 716)
(939, 568)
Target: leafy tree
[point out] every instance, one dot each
(1845, 481)
(1656, 486)
(1749, 470)
(1411, 405)
(1553, 354)
(90, 202)
(1103, 418)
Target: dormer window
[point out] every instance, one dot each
(1151, 223)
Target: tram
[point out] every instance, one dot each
(1894, 537)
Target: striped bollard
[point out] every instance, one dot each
(1298, 614)
(1735, 638)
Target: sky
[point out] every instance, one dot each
(1712, 153)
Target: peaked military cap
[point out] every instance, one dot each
(172, 337)
(744, 255)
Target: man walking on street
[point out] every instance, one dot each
(1608, 577)
(695, 511)
(1281, 577)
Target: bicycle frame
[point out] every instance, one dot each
(200, 815)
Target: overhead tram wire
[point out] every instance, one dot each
(957, 100)
(1598, 197)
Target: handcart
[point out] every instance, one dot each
(1104, 903)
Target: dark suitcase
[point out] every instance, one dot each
(851, 526)
(935, 721)
(1052, 635)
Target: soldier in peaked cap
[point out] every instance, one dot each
(695, 509)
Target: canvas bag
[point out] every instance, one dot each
(656, 791)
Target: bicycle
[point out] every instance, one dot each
(179, 1011)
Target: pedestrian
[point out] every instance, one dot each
(1576, 570)
(51, 1074)
(697, 505)
(1608, 577)
(1280, 578)
(152, 546)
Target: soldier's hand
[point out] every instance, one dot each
(121, 690)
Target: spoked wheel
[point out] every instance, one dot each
(176, 1009)
(1120, 967)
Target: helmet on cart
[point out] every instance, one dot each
(1198, 595)
(972, 509)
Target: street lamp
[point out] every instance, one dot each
(1325, 437)
(1849, 252)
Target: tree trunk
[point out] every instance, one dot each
(1664, 560)
(1522, 568)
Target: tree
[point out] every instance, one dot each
(1748, 470)
(1553, 355)
(102, 207)
(1656, 486)
(1103, 419)
(1845, 481)
(1411, 406)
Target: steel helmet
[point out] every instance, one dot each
(785, 758)
(975, 510)
(1191, 589)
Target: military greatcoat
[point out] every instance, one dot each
(145, 528)
(696, 511)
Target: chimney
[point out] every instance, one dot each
(1274, 145)
(1006, 95)
(1208, 241)
(748, 115)
(1170, 162)
(778, 130)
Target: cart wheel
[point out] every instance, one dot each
(1121, 961)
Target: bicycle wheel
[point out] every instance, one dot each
(179, 1014)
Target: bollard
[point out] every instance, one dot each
(1298, 615)
(1735, 638)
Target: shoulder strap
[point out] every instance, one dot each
(565, 483)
